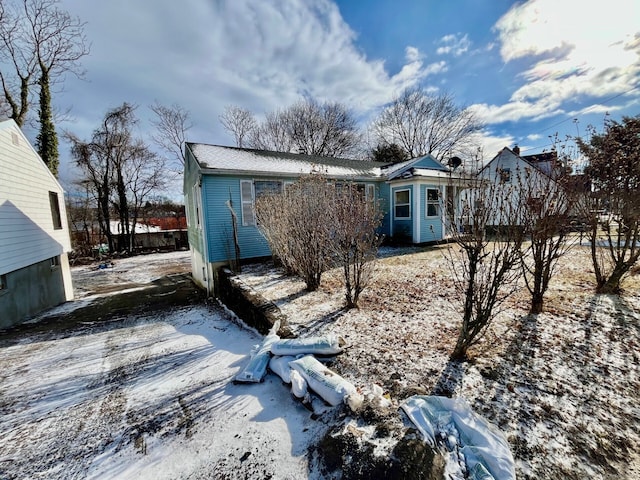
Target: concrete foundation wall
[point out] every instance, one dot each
(30, 290)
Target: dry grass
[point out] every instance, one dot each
(563, 386)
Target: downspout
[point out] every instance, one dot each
(445, 210)
(417, 214)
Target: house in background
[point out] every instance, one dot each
(535, 176)
(221, 185)
(34, 235)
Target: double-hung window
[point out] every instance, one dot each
(433, 202)
(402, 204)
(250, 191)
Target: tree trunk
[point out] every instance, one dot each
(537, 303)
(611, 285)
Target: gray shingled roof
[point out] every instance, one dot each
(231, 160)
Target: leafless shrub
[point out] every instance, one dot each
(297, 227)
(546, 207)
(612, 205)
(484, 255)
(355, 240)
(316, 224)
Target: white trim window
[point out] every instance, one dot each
(402, 204)
(250, 190)
(432, 208)
(370, 194)
(246, 198)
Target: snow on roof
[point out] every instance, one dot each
(230, 160)
(425, 166)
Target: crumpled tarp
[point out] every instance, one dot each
(477, 446)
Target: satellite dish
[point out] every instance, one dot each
(454, 162)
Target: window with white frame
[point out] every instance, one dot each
(402, 204)
(250, 191)
(55, 262)
(433, 202)
(371, 192)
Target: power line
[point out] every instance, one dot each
(604, 102)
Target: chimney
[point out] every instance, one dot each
(516, 149)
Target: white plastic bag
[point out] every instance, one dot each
(329, 385)
(256, 369)
(298, 385)
(325, 345)
(280, 366)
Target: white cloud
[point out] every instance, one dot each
(576, 51)
(454, 44)
(258, 55)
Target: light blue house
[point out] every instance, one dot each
(222, 183)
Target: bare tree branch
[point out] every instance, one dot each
(172, 124)
(423, 124)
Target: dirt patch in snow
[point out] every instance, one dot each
(563, 386)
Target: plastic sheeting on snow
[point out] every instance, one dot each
(471, 441)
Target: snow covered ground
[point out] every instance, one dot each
(564, 386)
(150, 395)
(145, 397)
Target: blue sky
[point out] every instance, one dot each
(528, 69)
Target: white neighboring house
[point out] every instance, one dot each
(531, 175)
(34, 234)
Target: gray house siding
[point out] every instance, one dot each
(30, 290)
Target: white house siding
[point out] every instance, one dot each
(27, 233)
(521, 173)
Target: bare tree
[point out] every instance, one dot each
(308, 126)
(40, 39)
(20, 63)
(272, 134)
(613, 205)
(484, 256)
(422, 124)
(546, 204)
(144, 174)
(172, 124)
(328, 129)
(122, 172)
(239, 122)
(354, 238)
(93, 161)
